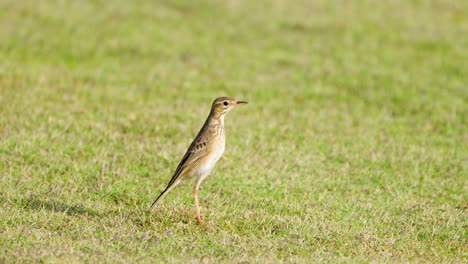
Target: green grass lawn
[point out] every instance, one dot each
(353, 147)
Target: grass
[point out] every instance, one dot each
(353, 149)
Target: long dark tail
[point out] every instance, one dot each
(158, 199)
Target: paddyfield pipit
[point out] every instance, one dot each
(204, 152)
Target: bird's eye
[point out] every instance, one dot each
(225, 103)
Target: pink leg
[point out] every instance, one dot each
(197, 207)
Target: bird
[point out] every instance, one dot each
(204, 151)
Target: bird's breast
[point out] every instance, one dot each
(214, 154)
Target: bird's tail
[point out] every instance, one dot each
(168, 189)
(158, 199)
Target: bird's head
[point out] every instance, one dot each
(222, 105)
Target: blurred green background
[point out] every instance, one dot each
(353, 147)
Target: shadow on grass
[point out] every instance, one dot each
(141, 218)
(33, 203)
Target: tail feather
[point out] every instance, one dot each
(168, 189)
(158, 199)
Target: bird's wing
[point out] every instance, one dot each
(196, 151)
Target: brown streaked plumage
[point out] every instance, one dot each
(205, 150)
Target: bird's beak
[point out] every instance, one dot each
(241, 102)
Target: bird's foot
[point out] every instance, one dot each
(203, 223)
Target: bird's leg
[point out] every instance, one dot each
(197, 205)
